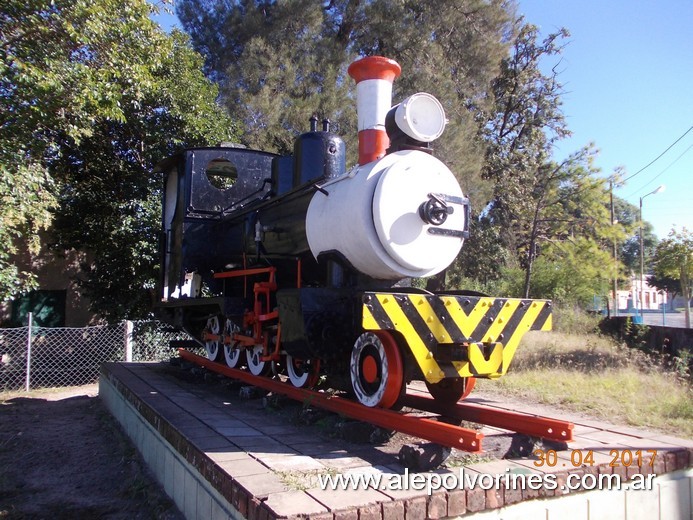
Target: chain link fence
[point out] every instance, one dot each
(40, 357)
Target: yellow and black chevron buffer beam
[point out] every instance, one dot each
(454, 335)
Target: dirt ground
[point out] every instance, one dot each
(62, 456)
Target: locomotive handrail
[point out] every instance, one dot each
(240, 204)
(264, 202)
(245, 272)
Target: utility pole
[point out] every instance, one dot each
(642, 252)
(613, 222)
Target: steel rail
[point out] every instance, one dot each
(534, 425)
(424, 428)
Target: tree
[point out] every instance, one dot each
(275, 69)
(452, 50)
(26, 198)
(628, 216)
(26, 194)
(521, 128)
(668, 284)
(572, 271)
(93, 94)
(485, 243)
(674, 258)
(535, 199)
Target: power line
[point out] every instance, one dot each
(658, 157)
(660, 173)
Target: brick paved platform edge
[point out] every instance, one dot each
(194, 495)
(185, 465)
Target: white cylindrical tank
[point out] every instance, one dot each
(373, 216)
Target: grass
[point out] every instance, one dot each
(304, 480)
(592, 374)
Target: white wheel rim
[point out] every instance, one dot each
(255, 364)
(212, 347)
(371, 343)
(298, 377)
(232, 353)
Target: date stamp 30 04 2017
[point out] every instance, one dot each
(578, 458)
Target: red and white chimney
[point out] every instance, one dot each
(374, 76)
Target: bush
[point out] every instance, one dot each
(571, 319)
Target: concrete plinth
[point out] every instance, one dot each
(219, 457)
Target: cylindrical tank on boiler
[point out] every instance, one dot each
(318, 155)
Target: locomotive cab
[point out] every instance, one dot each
(201, 185)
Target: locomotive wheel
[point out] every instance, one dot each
(377, 369)
(451, 390)
(256, 366)
(302, 373)
(232, 351)
(213, 348)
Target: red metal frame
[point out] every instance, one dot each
(259, 316)
(534, 425)
(246, 272)
(424, 428)
(439, 432)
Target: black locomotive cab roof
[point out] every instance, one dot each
(217, 178)
(164, 165)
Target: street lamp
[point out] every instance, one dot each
(642, 252)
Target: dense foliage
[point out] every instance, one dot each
(547, 222)
(93, 93)
(276, 68)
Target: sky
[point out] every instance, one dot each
(628, 76)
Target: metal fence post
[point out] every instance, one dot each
(128, 340)
(28, 353)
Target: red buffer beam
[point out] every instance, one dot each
(424, 428)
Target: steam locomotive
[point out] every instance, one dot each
(298, 264)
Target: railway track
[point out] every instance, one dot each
(427, 428)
